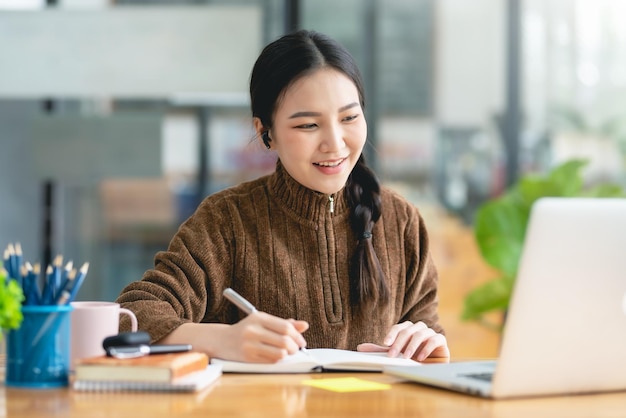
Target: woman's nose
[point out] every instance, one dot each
(332, 139)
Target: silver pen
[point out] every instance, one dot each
(141, 350)
(242, 303)
(239, 301)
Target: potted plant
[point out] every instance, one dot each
(500, 228)
(11, 297)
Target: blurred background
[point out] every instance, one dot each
(118, 117)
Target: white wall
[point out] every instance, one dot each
(470, 60)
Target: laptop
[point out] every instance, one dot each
(565, 330)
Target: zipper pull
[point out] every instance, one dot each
(332, 203)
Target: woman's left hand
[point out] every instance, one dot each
(416, 341)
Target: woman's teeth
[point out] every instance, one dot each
(329, 164)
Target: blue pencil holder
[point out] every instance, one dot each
(38, 352)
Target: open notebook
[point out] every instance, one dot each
(318, 359)
(565, 330)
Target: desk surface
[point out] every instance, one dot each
(278, 396)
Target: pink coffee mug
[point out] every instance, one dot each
(92, 322)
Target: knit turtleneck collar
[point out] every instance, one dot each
(302, 200)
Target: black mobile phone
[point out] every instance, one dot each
(126, 339)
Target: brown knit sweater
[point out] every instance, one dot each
(278, 244)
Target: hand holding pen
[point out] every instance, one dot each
(267, 337)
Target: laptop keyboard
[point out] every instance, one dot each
(487, 376)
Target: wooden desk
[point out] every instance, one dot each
(277, 396)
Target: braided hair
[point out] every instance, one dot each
(367, 276)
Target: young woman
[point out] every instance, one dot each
(328, 256)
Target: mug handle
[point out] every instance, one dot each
(133, 318)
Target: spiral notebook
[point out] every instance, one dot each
(193, 382)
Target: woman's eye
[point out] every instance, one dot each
(350, 118)
(306, 126)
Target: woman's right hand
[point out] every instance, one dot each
(259, 338)
(262, 338)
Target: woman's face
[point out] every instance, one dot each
(319, 130)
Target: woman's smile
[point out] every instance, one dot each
(330, 166)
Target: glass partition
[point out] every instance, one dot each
(123, 170)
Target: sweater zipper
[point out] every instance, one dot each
(332, 203)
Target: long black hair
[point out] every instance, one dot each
(279, 65)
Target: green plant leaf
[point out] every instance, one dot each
(11, 297)
(492, 295)
(605, 190)
(499, 229)
(563, 181)
(500, 224)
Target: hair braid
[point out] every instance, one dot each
(368, 280)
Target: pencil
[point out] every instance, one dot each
(17, 261)
(66, 278)
(67, 287)
(34, 285)
(10, 261)
(57, 265)
(47, 294)
(78, 281)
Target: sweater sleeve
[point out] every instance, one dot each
(185, 279)
(421, 299)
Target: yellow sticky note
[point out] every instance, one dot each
(346, 384)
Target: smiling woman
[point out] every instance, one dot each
(318, 240)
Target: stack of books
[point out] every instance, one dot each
(171, 372)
